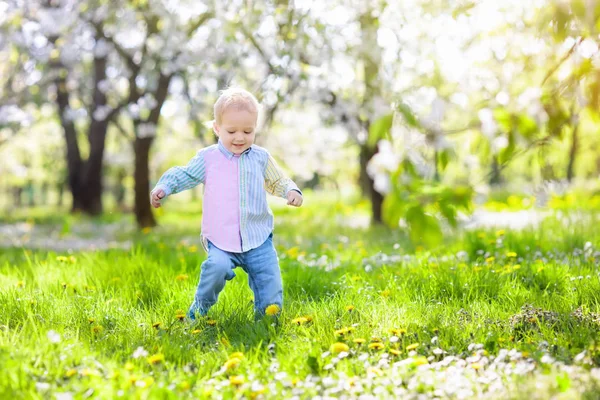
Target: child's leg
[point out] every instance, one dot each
(215, 271)
(264, 276)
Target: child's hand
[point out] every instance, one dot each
(156, 197)
(294, 198)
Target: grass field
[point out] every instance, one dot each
(491, 313)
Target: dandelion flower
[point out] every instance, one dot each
(232, 363)
(181, 277)
(359, 341)
(20, 284)
(343, 331)
(237, 354)
(300, 321)
(412, 347)
(156, 325)
(196, 331)
(70, 373)
(272, 310)
(146, 230)
(156, 359)
(395, 352)
(97, 329)
(211, 322)
(350, 308)
(236, 380)
(339, 347)
(420, 361)
(398, 332)
(376, 346)
(129, 366)
(511, 254)
(180, 315)
(476, 366)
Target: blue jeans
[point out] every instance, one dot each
(261, 265)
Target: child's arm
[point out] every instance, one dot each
(178, 179)
(278, 184)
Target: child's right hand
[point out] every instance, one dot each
(156, 196)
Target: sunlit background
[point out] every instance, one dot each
(417, 106)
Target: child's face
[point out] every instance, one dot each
(237, 129)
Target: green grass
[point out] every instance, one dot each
(465, 298)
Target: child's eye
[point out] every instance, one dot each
(248, 132)
(231, 132)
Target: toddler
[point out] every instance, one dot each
(237, 223)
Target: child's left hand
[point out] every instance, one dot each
(294, 198)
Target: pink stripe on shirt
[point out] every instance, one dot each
(221, 213)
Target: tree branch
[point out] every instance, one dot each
(561, 61)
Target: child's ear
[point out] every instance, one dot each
(215, 128)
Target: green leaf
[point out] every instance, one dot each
(409, 117)
(527, 126)
(381, 129)
(424, 228)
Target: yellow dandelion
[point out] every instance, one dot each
(181, 277)
(511, 254)
(225, 342)
(395, 352)
(412, 347)
(70, 373)
(376, 346)
(185, 386)
(91, 320)
(349, 308)
(398, 332)
(156, 325)
(237, 354)
(500, 232)
(476, 366)
(343, 331)
(236, 380)
(386, 293)
(97, 329)
(20, 284)
(146, 230)
(338, 347)
(300, 321)
(232, 363)
(62, 259)
(180, 315)
(272, 310)
(211, 322)
(129, 366)
(420, 360)
(156, 359)
(359, 341)
(490, 260)
(72, 259)
(196, 331)
(292, 252)
(133, 379)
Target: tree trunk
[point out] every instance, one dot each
(84, 177)
(368, 184)
(371, 58)
(573, 153)
(495, 176)
(143, 212)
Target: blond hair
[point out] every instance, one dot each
(239, 98)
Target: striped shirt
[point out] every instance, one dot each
(236, 216)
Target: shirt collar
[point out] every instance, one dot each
(228, 153)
